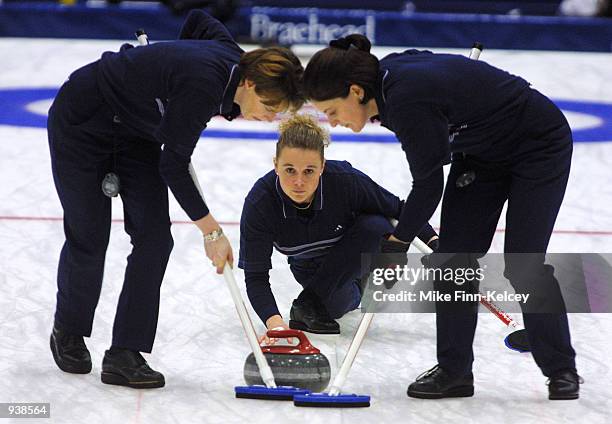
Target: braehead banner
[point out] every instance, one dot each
(308, 26)
(288, 26)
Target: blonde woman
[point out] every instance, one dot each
(322, 215)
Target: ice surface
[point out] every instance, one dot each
(200, 346)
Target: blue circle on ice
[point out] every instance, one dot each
(27, 107)
(14, 106)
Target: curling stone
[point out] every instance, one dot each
(301, 365)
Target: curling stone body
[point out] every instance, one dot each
(302, 366)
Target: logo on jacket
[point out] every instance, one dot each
(454, 130)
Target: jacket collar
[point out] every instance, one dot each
(228, 109)
(289, 210)
(379, 96)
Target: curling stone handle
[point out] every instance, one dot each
(304, 345)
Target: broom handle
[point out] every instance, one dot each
(496, 310)
(351, 354)
(141, 36)
(499, 313)
(423, 248)
(249, 330)
(476, 50)
(347, 363)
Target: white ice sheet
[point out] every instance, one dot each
(200, 346)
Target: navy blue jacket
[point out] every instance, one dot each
(167, 92)
(269, 220)
(441, 103)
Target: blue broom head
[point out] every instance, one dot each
(326, 401)
(518, 341)
(267, 393)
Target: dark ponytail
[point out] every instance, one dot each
(346, 61)
(353, 41)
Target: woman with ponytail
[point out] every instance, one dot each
(323, 215)
(506, 141)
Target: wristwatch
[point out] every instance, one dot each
(213, 235)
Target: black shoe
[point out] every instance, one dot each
(564, 385)
(128, 368)
(306, 317)
(69, 352)
(437, 383)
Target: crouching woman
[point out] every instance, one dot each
(322, 215)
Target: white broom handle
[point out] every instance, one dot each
(421, 246)
(249, 330)
(347, 363)
(340, 378)
(142, 38)
(476, 50)
(228, 274)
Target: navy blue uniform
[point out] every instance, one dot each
(114, 115)
(518, 146)
(347, 217)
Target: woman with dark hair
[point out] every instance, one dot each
(323, 215)
(506, 142)
(107, 127)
